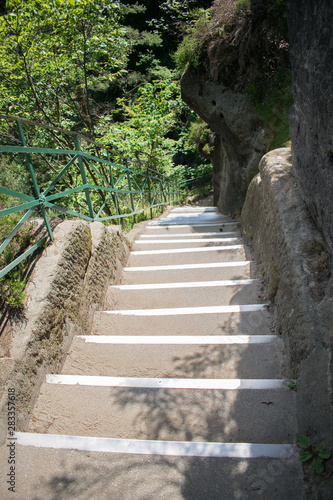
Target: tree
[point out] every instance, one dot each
(145, 135)
(167, 19)
(51, 54)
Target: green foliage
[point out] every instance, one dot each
(292, 386)
(200, 135)
(241, 7)
(188, 51)
(12, 291)
(14, 176)
(13, 283)
(145, 135)
(173, 14)
(51, 53)
(274, 109)
(317, 454)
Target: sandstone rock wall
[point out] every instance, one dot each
(68, 284)
(241, 139)
(311, 117)
(296, 263)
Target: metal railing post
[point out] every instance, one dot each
(161, 192)
(84, 177)
(130, 191)
(143, 200)
(34, 182)
(149, 193)
(115, 198)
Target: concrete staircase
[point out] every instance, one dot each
(181, 391)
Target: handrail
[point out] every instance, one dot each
(196, 180)
(102, 190)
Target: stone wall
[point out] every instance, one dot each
(311, 117)
(241, 139)
(295, 261)
(68, 284)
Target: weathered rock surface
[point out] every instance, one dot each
(240, 137)
(296, 261)
(311, 117)
(68, 284)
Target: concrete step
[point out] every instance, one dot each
(179, 393)
(187, 294)
(49, 473)
(226, 253)
(191, 321)
(191, 209)
(190, 235)
(260, 360)
(186, 273)
(192, 218)
(158, 244)
(264, 415)
(191, 214)
(199, 227)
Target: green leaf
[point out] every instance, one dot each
(303, 441)
(306, 455)
(321, 445)
(317, 465)
(324, 453)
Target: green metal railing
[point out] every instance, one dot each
(100, 189)
(197, 182)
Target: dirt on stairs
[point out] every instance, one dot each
(180, 392)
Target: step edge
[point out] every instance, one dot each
(149, 447)
(177, 311)
(204, 265)
(215, 248)
(180, 339)
(191, 235)
(168, 383)
(186, 284)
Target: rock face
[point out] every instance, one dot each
(299, 282)
(240, 137)
(311, 117)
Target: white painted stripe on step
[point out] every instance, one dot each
(179, 339)
(190, 212)
(188, 208)
(175, 311)
(187, 250)
(196, 213)
(168, 383)
(189, 221)
(205, 265)
(180, 213)
(185, 284)
(200, 217)
(149, 447)
(188, 235)
(154, 225)
(193, 240)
